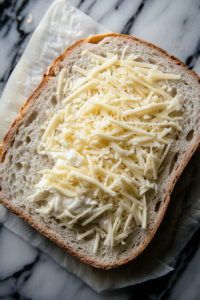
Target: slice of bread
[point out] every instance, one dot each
(20, 161)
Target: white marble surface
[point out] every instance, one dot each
(25, 272)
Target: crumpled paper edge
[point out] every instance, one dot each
(159, 257)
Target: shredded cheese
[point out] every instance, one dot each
(30, 19)
(108, 144)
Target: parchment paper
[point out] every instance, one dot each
(61, 26)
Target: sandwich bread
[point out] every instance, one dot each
(93, 157)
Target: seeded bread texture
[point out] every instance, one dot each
(20, 161)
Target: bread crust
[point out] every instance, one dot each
(25, 108)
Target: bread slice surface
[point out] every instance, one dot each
(20, 161)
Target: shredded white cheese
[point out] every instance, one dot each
(107, 145)
(30, 19)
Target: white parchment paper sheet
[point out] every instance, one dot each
(61, 26)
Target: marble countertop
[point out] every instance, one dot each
(26, 272)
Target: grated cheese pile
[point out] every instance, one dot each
(107, 144)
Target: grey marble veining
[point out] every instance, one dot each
(27, 273)
(15, 32)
